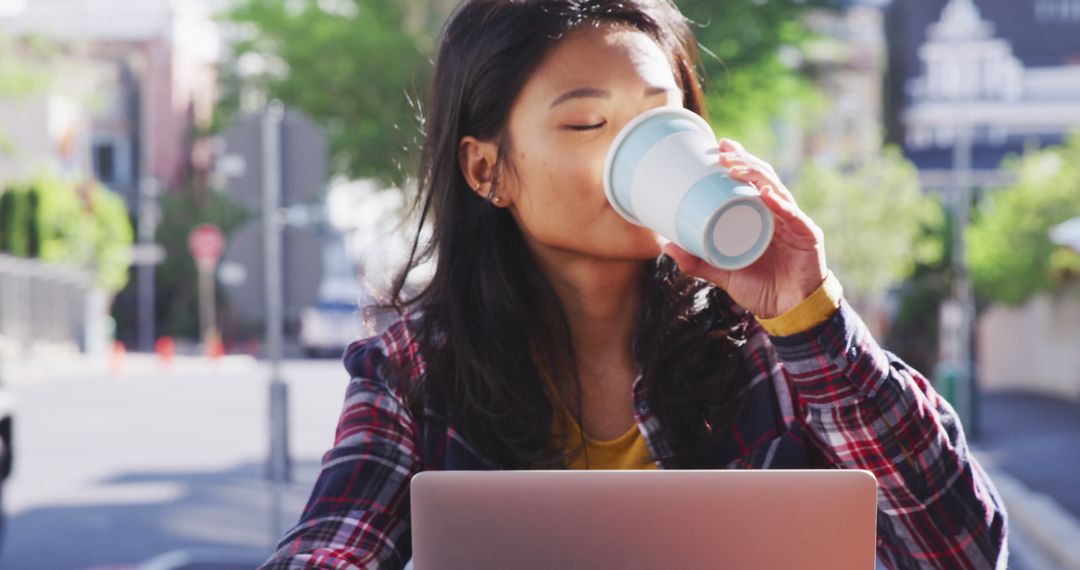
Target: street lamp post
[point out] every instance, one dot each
(963, 291)
(279, 464)
(149, 212)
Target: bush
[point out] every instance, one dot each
(53, 220)
(1010, 255)
(877, 221)
(18, 230)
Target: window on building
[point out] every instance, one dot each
(105, 162)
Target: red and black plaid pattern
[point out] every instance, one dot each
(826, 398)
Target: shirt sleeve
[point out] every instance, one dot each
(814, 310)
(358, 513)
(867, 409)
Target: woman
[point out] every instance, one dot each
(556, 334)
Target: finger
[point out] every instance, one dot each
(728, 159)
(734, 148)
(790, 220)
(731, 145)
(778, 206)
(733, 159)
(761, 179)
(756, 175)
(786, 194)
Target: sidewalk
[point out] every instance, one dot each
(135, 364)
(1031, 446)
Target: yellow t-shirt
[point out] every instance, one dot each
(630, 451)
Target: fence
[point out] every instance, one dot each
(48, 304)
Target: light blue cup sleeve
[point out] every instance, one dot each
(700, 208)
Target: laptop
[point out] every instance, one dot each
(735, 519)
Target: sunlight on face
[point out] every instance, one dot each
(596, 80)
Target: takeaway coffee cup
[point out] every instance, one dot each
(662, 172)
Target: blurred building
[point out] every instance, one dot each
(847, 65)
(134, 81)
(46, 128)
(1007, 72)
(972, 82)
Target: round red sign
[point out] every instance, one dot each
(206, 243)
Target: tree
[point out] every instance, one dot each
(1009, 253)
(878, 224)
(113, 237)
(351, 65)
(747, 81)
(355, 67)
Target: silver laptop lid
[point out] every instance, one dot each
(644, 519)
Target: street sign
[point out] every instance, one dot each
(147, 254)
(206, 243)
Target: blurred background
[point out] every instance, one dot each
(199, 197)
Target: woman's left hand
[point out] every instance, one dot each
(791, 268)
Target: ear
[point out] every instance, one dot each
(478, 160)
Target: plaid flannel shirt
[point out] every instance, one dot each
(829, 397)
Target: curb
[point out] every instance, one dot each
(36, 371)
(1053, 530)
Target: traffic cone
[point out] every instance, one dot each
(214, 349)
(117, 359)
(165, 348)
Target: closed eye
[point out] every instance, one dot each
(586, 127)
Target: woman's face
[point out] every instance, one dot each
(595, 80)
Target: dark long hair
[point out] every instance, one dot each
(488, 320)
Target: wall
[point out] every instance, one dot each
(1034, 347)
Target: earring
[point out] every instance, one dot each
(496, 200)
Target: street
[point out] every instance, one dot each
(112, 472)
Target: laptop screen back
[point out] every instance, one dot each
(644, 519)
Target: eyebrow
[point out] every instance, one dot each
(602, 94)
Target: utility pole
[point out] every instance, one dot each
(963, 294)
(149, 211)
(280, 464)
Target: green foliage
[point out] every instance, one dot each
(914, 332)
(54, 220)
(351, 73)
(1010, 255)
(113, 238)
(1065, 264)
(66, 223)
(878, 224)
(19, 77)
(746, 83)
(357, 73)
(18, 228)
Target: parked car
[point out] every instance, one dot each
(329, 326)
